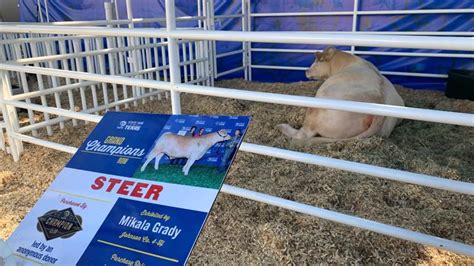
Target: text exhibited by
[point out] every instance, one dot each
(137, 192)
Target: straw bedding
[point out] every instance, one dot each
(245, 232)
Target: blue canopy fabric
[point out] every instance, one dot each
(69, 10)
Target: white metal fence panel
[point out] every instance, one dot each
(356, 14)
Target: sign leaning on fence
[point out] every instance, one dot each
(137, 192)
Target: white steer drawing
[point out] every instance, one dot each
(192, 148)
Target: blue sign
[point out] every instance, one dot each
(137, 192)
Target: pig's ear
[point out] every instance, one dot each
(328, 53)
(319, 55)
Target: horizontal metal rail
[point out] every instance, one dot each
(414, 74)
(229, 53)
(57, 120)
(302, 14)
(350, 220)
(228, 16)
(279, 67)
(43, 39)
(355, 221)
(105, 51)
(369, 12)
(454, 118)
(44, 143)
(230, 71)
(361, 168)
(418, 33)
(415, 54)
(105, 22)
(390, 73)
(355, 39)
(359, 39)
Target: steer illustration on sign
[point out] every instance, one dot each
(176, 146)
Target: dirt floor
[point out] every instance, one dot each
(245, 232)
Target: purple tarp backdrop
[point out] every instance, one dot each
(67, 10)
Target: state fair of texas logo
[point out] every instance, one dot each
(130, 125)
(122, 124)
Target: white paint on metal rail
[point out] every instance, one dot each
(352, 221)
(361, 168)
(368, 12)
(229, 53)
(230, 71)
(390, 73)
(416, 54)
(356, 39)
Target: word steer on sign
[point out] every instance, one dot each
(127, 187)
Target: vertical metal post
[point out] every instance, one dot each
(65, 65)
(102, 70)
(185, 58)
(54, 80)
(213, 52)
(205, 48)
(2, 138)
(109, 13)
(9, 116)
(26, 88)
(2, 59)
(122, 69)
(95, 59)
(199, 44)
(44, 102)
(173, 54)
(140, 60)
(109, 16)
(249, 44)
(133, 57)
(128, 4)
(354, 21)
(148, 62)
(191, 58)
(156, 59)
(117, 16)
(40, 13)
(46, 7)
(165, 65)
(72, 61)
(244, 44)
(121, 56)
(90, 69)
(157, 64)
(79, 67)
